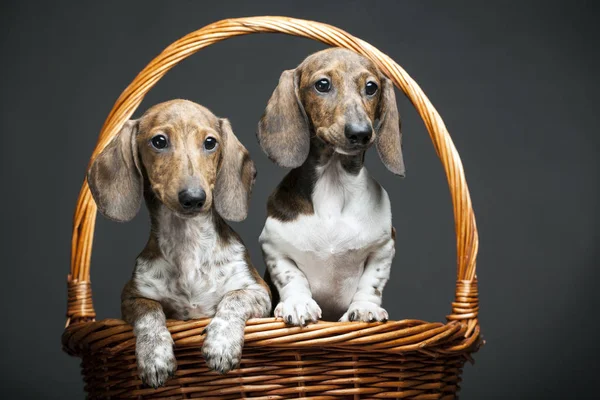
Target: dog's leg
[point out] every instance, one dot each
(224, 340)
(366, 302)
(296, 305)
(154, 345)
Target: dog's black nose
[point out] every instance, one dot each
(358, 133)
(192, 199)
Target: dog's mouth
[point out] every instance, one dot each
(348, 152)
(188, 214)
(349, 149)
(184, 214)
(340, 143)
(180, 212)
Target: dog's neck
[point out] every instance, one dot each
(325, 163)
(175, 230)
(206, 235)
(337, 179)
(323, 156)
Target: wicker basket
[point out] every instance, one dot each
(407, 359)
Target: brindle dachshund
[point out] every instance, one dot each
(192, 172)
(328, 241)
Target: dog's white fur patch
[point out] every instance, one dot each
(338, 256)
(196, 276)
(195, 271)
(154, 350)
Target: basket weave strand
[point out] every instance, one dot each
(399, 359)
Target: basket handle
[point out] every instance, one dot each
(465, 306)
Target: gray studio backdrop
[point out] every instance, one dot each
(516, 83)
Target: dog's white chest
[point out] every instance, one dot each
(331, 246)
(191, 291)
(194, 273)
(331, 254)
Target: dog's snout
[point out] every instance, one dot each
(192, 199)
(358, 133)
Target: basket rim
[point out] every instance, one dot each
(403, 337)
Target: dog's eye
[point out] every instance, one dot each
(323, 85)
(371, 88)
(210, 143)
(159, 142)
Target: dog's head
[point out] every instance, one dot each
(189, 157)
(342, 98)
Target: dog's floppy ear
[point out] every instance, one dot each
(115, 179)
(283, 129)
(235, 177)
(389, 137)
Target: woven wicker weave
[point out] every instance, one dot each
(407, 359)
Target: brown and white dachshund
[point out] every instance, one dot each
(193, 173)
(328, 241)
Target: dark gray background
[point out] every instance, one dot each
(516, 83)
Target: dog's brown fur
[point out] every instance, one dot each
(296, 111)
(328, 210)
(298, 119)
(194, 265)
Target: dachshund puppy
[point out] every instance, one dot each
(193, 172)
(328, 241)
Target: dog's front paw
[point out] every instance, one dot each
(298, 310)
(155, 358)
(365, 311)
(222, 348)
